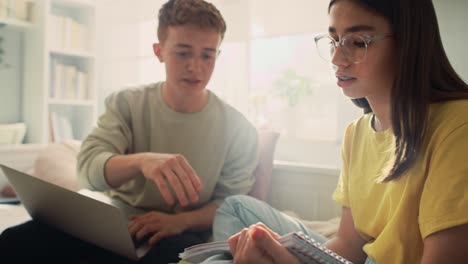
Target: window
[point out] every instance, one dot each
(280, 83)
(273, 74)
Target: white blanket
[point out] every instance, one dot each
(11, 215)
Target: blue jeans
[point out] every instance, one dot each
(241, 211)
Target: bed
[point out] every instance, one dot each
(57, 162)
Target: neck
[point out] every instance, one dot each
(382, 119)
(184, 104)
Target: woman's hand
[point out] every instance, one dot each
(258, 244)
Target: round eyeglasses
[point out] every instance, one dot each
(353, 46)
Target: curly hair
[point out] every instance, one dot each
(189, 12)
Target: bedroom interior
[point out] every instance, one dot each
(59, 59)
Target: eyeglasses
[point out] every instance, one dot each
(353, 46)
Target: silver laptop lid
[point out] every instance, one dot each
(86, 218)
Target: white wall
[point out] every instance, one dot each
(453, 18)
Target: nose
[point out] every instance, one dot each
(194, 64)
(338, 58)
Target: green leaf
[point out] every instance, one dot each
(292, 87)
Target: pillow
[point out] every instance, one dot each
(266, 146)
(328, 229)
(57, 164)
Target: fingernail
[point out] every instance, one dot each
(258, 233)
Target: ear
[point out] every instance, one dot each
(157, 49)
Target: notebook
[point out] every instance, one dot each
(86, 218)
(305, 248)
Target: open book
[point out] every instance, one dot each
(305, 248)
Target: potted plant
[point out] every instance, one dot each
(292, 87)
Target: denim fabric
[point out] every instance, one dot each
(241, 211)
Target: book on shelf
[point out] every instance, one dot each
(61, 128)
(305, 248)
(67, 33)
(68, 81)
(82, 91)
(4, 8)
(17, 9)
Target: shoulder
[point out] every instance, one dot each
(359, 125)
(232, 115)
(446, 117)
(455, 111)
(135, 93)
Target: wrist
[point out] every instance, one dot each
(139, 163)
(183, 222)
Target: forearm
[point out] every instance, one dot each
(122, 168)
(446, 246)
(346, 249)
(199, 219)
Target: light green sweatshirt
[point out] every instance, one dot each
(218, 142)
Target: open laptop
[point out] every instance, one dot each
(96, 222)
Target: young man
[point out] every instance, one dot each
(172, 149)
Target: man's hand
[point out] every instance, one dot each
(178, 173)
(156, 226)
(258, 244)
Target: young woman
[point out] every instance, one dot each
(404, 180)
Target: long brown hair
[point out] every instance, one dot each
(424, 75)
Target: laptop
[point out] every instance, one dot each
(91, 220)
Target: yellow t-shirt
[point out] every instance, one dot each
(397, 216)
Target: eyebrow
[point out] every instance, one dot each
(353, 29)
(181, 45)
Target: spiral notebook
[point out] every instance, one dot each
(305, 248)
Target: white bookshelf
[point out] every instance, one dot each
(59, 70)
(72, 53)
(16, 24)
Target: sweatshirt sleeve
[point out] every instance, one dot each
(237, 173)
(112, 136)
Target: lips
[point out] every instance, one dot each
(191, 81)
(344, 78)
(344, 81)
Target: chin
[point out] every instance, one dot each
(351, 94)
(193, 91)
